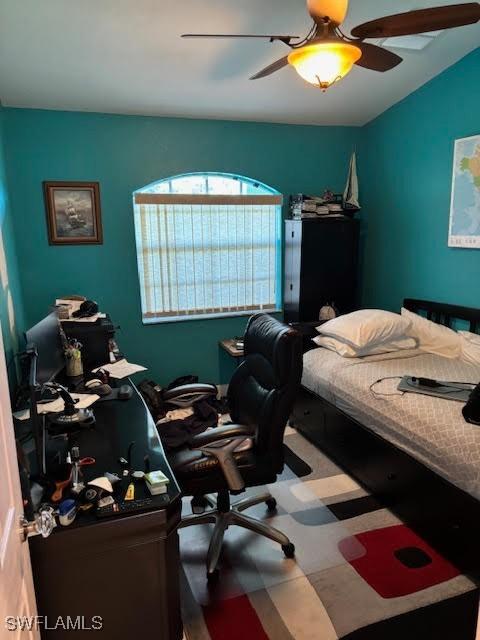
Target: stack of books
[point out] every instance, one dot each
(335, 208)
(156, 482)
(302, 206)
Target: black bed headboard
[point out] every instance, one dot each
(445, 314)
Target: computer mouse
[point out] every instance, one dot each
(103, 390)
(96, 386)
(125, 392)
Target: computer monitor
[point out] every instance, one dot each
(45, 338)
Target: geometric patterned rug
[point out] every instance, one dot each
(359, 573)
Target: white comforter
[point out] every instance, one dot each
(432, 430)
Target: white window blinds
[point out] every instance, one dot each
(202, 255)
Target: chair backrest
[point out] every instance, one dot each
(263, 388)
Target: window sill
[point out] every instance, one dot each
(210, 316)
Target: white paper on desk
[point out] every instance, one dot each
(121, 369)
(93, 318)
(57, 405)
(23, 414)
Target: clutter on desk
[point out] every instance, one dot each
(68, 479)
(135, 506)
(101, 483)
(71, 417)
(87, 319)
(69, 494)
(130, 494)
(77, 463)
(156, 482)
(82, 401)
(87, 309)
(77, 310)
(61, 477)
(96, 386)
(105, 502)
(67, 512)
(67, 305)
(112, 477)
(98, 383)
(121, 369)
(124, 392)
(97, 337)
(73, 358)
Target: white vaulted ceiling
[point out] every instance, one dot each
(126, 56)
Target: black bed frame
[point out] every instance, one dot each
(447, 517)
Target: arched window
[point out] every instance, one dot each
(208, 245)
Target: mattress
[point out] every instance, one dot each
(431, 430)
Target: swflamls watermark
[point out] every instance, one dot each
(67, 623)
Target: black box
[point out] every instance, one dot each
(94, 337)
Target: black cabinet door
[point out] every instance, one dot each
(321, 264)
(293, 260)
(329, 267)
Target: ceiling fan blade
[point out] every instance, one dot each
(272, 38)
(421, 21)
(275, 66)
(336, 10)
(376, 58)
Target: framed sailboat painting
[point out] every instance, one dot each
(73, 212)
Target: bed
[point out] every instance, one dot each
(415, 453)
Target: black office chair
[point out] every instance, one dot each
(261, 395)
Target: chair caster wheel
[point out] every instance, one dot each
(289, 550)
(271, 504)
(212, 578)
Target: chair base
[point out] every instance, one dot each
(233, 514)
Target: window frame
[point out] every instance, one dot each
(256, 188)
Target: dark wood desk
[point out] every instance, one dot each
(124, 569)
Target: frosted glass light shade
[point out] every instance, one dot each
(324, 63)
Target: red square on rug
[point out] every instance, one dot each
(397, 562)
(235, 619)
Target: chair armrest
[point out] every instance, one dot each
(220, 433)
(187, 394)
(221, 443)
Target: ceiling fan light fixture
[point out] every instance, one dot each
(324, 63)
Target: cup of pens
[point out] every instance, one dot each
(73, 358)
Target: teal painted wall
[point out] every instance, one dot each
(407, 162)
(11, 307)
(125, 153)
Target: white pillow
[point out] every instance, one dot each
(469, 347)
(346, 351)
(432, 337)
(366, 328)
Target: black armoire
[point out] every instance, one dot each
(321, 266)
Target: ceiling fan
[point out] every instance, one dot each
(326, 54)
